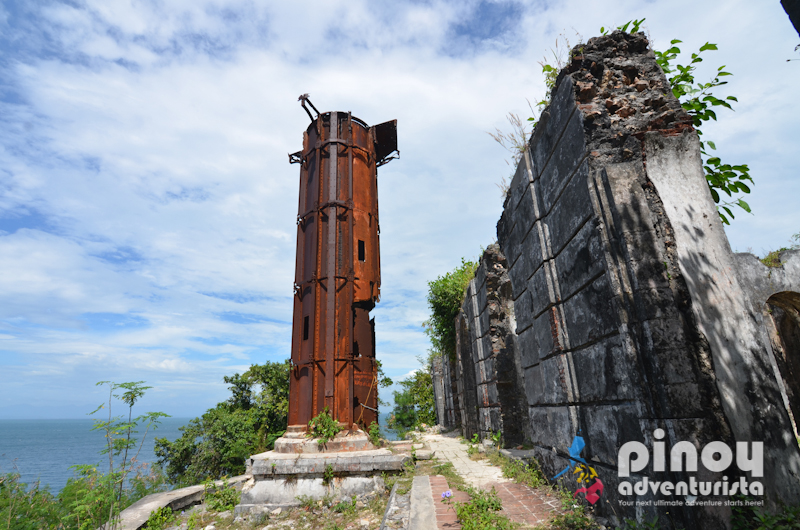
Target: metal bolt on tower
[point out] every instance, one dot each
(338, 270)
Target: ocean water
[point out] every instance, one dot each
(44, 450)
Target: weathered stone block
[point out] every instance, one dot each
(504, 227)
(631, 212)
(528, 347)
(581, 260)
(590, 313)
(566, 157)
(605, 372)
(518, 186)
(563, 222)
(551, 427)
(492, 390)
(541, 288)
(534, 387)
(551, 124)
(663, 334)
(553, 385)
(495, 419)
(486, 345)
(543, 332)
(520, 272)
(489, 368)
(607, 427)
(484, 320)
(480, 283)
(685, 400)
(678, 365)
(523, 312)
(525, 213)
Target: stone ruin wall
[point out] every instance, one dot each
(614, 305)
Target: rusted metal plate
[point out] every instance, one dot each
(337, 271)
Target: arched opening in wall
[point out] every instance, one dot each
(784, 308)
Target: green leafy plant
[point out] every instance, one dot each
(374, 434)
(482, 511)
(413, 405)
(160, 519)
(521, 472)
(699, 102)
(194, 522)
(323, 426)
(306, 501)
(328, 475)
(751, 517)
(93, 497)
(220, 441)
(632, 524)
(220, 498)
(496, 437)
(29, 508)
(345, 506)
(573, 519)
(445, 295)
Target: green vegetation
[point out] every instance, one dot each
(222, 497)
(756, 518)
(523, 473)
(328, 475)
(27, 508)
(91, 498)
(699, 102)
(631, 524)
(374, 434)
(160, 519)
(413, 405)
(445, 295)
(219, 442)
(324, 427)
(773, 258)
(481, 511)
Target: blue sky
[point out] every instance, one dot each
(147, 207)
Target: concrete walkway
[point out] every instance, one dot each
(477, 473)
(525, 505)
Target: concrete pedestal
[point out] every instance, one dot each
(312, 470)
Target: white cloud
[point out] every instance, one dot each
(144, 155)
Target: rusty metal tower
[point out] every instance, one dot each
(337, 271)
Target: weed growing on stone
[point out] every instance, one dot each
(572, 520)
(323, 426)
(482, 511)
(773, 259)
(447, 470)
(160, 519)
(745, 517)
(312, 514)
(574, 515)
(220, 498)
(328, 475)
(529, 474)
(375, 434)
(630, 524)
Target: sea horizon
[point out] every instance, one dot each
(46, 449)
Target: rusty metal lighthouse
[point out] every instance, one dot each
(337, 272)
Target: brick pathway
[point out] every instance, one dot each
(524, 504)
(521, 503)
(445, 515)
